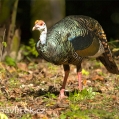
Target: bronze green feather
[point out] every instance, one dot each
(75, 38)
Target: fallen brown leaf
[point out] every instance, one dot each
(97, 77)
(22, 66)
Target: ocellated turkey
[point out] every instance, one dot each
(71, 40)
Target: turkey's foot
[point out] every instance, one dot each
(61, 95)
(78, 88)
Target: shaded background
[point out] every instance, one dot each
(106, 12)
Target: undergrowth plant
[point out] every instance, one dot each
(50, 95)
(26, 116)
(84, 94)
(10, 61)
(30, 49)
(74, 114)
(3, 116)
(74, 111)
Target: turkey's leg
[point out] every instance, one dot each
(66, 70)
(79, 80)
(79, 77)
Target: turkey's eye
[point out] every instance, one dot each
(41, 24)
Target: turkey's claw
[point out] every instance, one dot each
(61, 95)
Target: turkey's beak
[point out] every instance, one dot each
(33, 28)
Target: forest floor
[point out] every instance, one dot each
(30, 91)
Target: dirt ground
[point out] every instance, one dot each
(30, 91)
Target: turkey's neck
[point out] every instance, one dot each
(43, 36)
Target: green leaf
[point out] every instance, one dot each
(84, 72)
(30, 49)
(10, 61)
(63, 116)
(4, 44)
(3, 116)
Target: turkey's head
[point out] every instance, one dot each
(39, 25)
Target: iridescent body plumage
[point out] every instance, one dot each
(74, 38)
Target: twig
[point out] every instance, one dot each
(2, 46)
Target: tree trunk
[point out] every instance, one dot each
(12, 40)
(2, 38)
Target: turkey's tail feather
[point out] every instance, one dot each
(106, 58)
(109, 64)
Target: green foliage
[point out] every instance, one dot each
(103, 114)
(32, 66)
(84, 94)
(74, 111)
(13, 82)
(26, 116)
(98, 64)
(50, 95)
(81, 114)
(74, 114)
(90, 94)
(74, 107)
(85, 114)
(30, 49)
(52, 67)
(3, 116)
(84, 72)
(4, 44)
(101, 73)
(63, 116)
(49, 99)
(10, 61)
